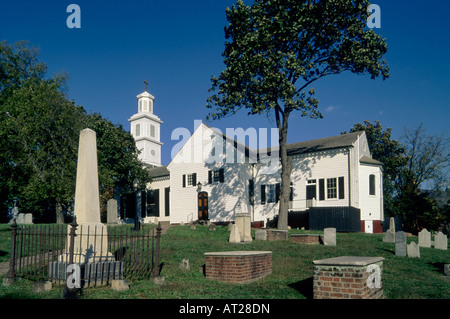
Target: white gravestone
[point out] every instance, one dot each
(440, 241)
(424, 238)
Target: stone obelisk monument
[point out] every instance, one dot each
(91, 241)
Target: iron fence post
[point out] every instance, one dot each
(72, 238)
(12, 260)
(158, 236)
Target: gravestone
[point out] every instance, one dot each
(329, 235)
(392, 224)
(15, 213)
(185, 264)
(235, 237)
(440, 241)
(424, 238)
(413, 250)
(243, 222)
(260, 234)
(111, 208)
(447, 269)
(192, 226)
(24, 219)
(400, 244)
(389, 236)
(212, 227)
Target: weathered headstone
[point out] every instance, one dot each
(392, 224)
(212, 227)
(329, 235)
(111, 208)
(400, 244)
(192, 226)
(413, 250)
(440, 241)
(15, 213)
(185, 264)
(243, 222)
(24, 219)
(260, 234)
(235, 237)
(389, 236)
(424, 238)
(447, 269)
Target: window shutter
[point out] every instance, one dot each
(277, 192)
(341, 188)
(209, 177)
(291, 192)
(194, 179)
(321, 189)
(251, 191)
(263, 194)
(184, 180)
(371, 184)
(221, 175)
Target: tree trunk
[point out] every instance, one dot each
(286, 170)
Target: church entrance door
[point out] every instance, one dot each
(203, 206)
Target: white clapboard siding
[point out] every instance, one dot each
(370, 205)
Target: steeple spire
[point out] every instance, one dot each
(146, 83)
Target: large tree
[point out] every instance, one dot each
(275, 51)
(39, 135)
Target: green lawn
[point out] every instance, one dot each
(291, 278)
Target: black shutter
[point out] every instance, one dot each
(251, 191)
(156, 199)
(184, 180)
(341, 188)
(321, 189)
(371, 184)
(277, 192)
(209, 177)
(167, 200)
(194, 179)
(291, 193)
(221, 175)
(263, 194)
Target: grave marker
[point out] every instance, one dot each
(413, 250)
(329, 235)
(440, 241)
(424, 238)
(400, 244)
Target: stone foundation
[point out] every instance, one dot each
(348, 278)
(238, 266)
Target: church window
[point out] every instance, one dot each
(138, 130)
(152, 130)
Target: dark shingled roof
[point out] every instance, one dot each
(326, 143)
(338, 141)
(158, 171)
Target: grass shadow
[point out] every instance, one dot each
(305, 287)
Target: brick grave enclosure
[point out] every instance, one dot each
(348, 278)
(238, 266)
(309, 239)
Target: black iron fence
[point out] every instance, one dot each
(45, 252)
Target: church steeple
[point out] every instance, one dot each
(145, 101)
(145, 128)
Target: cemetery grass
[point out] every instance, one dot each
(292, 271)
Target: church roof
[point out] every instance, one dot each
(321, 144)
(160, 171)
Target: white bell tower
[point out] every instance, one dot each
(145, 128)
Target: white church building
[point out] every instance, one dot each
(213, 176)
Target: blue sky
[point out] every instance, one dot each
(177, 45)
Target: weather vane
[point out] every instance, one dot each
(146, 83)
